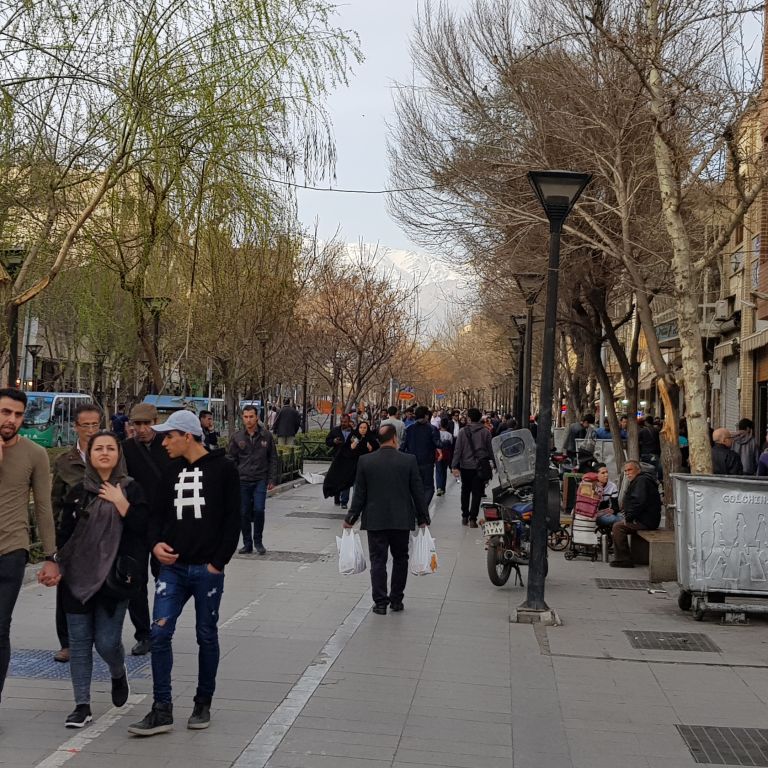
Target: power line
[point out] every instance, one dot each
(350, 191)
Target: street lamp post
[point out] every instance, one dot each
(519, 344)
(12, 260)
(304, 398)
(557, 192)
(156, 305)
(263, 337)
(98, 390)
(530, 285)
(33, 351)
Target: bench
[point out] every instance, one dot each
(657, 550)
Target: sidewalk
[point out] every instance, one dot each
(309, 678)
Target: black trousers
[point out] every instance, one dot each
(12, 566)
(62, 630)
(472, 488)
(138, 607)
(380, 543)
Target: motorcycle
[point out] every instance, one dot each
(506, 521)
(507, 543)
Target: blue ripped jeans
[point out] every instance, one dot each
(174, 586)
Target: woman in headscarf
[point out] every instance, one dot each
(101, 543)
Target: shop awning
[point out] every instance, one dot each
(754, 341)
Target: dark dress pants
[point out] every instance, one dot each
(427, 472)
(380, 543)
(472, 488)
(620, 533)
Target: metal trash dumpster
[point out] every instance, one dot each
(721, 541)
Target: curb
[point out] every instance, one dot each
(289, 486)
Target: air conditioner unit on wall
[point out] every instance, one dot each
(723, 309)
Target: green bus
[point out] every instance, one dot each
(50, 416)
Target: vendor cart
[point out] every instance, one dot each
(721, 541)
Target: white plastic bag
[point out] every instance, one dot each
(423, 553)
(351, 555)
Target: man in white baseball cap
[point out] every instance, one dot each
(194, 530)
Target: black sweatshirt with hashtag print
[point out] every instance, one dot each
(197, 510)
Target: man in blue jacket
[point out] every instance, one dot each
(423, 441)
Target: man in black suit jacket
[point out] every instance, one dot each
(390, 497)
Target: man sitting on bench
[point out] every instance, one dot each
(642, 512)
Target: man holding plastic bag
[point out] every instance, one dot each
(389, 499)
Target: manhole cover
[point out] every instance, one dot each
(726, 746)
(318, 515)
(670, 641)
(285, 557)
(40, 665)
(621, 584)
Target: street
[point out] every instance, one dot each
(310, 678)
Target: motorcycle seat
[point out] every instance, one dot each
(523, 508)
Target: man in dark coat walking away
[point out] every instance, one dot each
(423, 441)
(725, 461)
(390, 498)
(287, 423)
(642, 512)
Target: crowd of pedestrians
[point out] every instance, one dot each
(167, 500)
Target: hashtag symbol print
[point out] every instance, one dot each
(192, 482)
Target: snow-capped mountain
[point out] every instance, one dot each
(439, 286)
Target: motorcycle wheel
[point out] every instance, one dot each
(498, 572)
(559, 540)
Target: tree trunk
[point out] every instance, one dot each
(682, 263)
(670, 446)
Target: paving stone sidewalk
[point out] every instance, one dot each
(310, 678)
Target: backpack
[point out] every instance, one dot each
(590, 441)
(589, 494)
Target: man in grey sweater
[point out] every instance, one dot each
(23, 466)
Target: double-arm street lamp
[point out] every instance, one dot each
(557, 192)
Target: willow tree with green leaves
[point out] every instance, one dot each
(116, 113)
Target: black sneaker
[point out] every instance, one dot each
(120, 689)
(260, 550)
(142, 647)
(245, 550)
(159, 720)
(200, 717)
(343, 506)
(80, 716)
(396, 607)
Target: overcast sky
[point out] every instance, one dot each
(360, 114)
